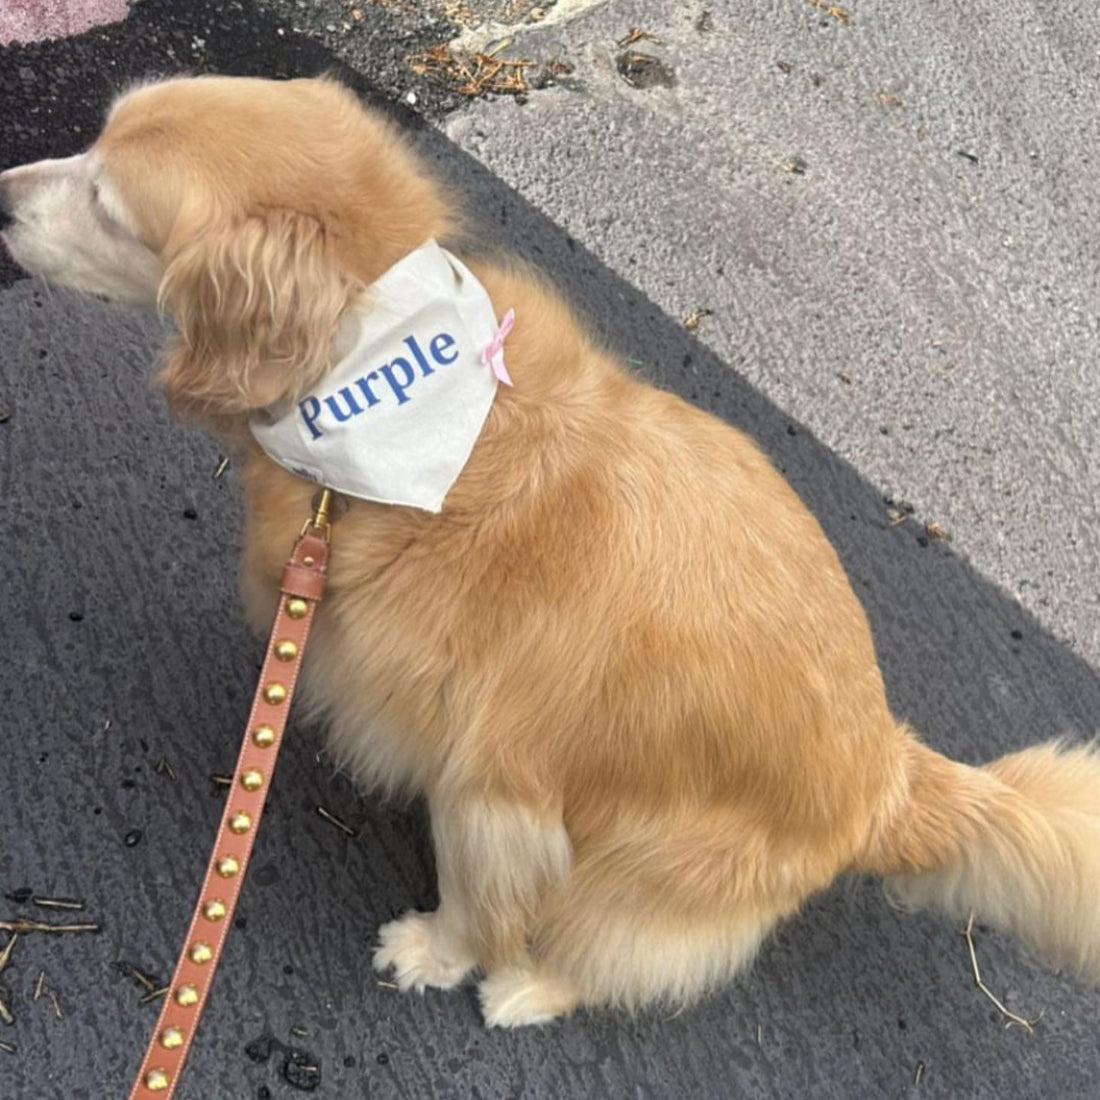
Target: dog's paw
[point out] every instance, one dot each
(421, 954)
(518, 996)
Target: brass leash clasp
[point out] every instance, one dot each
(321, 520)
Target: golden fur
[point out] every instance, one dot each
(624, 665)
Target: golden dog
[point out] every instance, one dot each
(623, 665)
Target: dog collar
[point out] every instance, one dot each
(397, 417)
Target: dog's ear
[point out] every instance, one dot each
(257, 300)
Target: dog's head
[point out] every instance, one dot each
(251, 210)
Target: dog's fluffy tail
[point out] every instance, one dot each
(1016, 843)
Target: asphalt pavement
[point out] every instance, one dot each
(881, 223)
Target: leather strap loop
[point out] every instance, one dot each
(302, 586)
(301, 581)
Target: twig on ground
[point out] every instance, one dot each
(57, 903)
(1009, 1017)
(41, 926)
(148, 983)
(5, 955)
(334, 820)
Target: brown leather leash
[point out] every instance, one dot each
(302, 586)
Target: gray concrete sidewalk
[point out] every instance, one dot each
(886, 282)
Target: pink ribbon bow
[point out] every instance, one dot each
(493, 353)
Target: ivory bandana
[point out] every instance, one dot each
(396, 418)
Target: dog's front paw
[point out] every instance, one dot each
(421, 953)
(518, 996)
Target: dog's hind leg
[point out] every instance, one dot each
(642, 919)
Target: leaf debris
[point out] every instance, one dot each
(841, 15)
(691, 321)
(472, 74)
(636, 34)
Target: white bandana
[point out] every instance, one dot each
(396, 418)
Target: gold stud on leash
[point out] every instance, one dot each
(275, 693)
(201, 953)
(156, 1080)
(171, 1038)
(214, 910)
(228, 866)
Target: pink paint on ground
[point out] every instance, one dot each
(33, 20)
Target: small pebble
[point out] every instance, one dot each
(301, 1071)
(132, 838)
(259, 1050)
